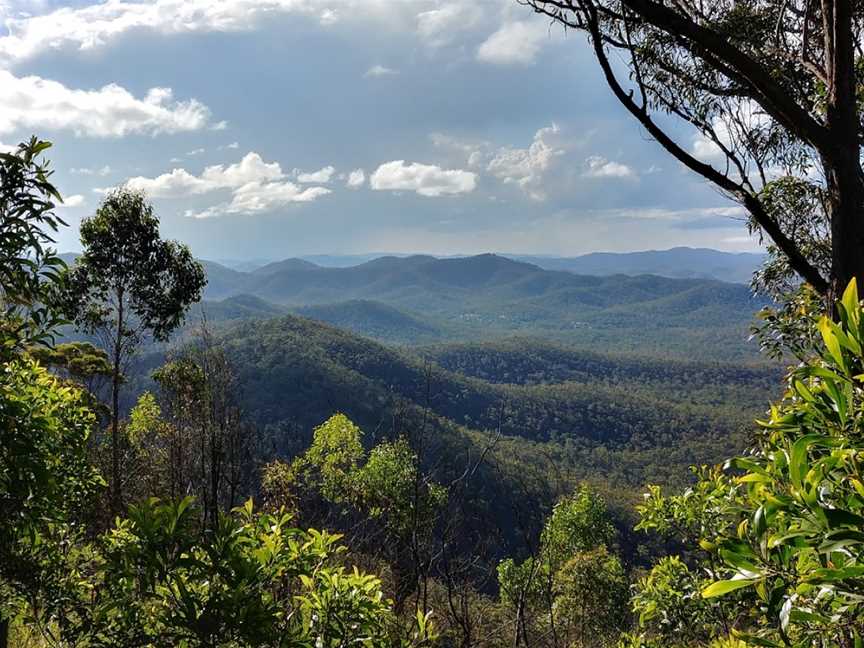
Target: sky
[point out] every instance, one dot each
(265, 129)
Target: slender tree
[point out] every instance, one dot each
(772, 91)
(127, 284)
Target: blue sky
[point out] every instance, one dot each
(275, 128)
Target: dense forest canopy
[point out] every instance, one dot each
(473, 451)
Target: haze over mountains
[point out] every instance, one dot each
(678, 262)
(422, 299)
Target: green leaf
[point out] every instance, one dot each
(724, 587)
(831, 342)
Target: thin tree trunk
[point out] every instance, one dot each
(4, 633)
(116, 498)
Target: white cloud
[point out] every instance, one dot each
(75, 200)
(515, 43)
(321, 175)
(96, 25)
(380, 71)
(34, 103)
(425, 179)
(232, 145)
(526, 167)
(194, 152)
(92, 26)
(439, 26)
(85, 171)
(255, 186)
(356, 179)
(599, 167)
(179, 182)
(259, 197)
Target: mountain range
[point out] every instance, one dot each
(677, 262)
(423, 299)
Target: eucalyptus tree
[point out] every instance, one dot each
(127, 284)
(770, 90)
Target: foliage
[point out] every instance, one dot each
(30, 270)
(782, 534)
(127, 266)
(331, 462)
(208, 444)
(393, 488)
(572, 590)
(128, 282)
(252, 581)
(45, 477)
(790, 328)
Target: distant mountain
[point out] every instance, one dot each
(679, 262)
(471, 298)
(286, 265)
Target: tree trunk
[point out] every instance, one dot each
(4, 633)
(116, 498)
(843, 176)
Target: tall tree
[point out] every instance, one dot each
(129, 283)
(771, 88)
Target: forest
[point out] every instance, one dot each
(472, 451)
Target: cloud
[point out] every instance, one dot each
(259, 197)
(232, 145)
(321, 175)
(515, 43)
(85, 171)
(75, 200)
(194, 152)
(95, 25)
(424, 179)
(356, 179)
(34, 103)
(380, 71)
(179, 182)
(255, 186)
(599, 167)
(526, 167)
(438, 27)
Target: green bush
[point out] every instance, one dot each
(781, 530)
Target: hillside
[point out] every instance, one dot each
(476, 297)
(296, 372)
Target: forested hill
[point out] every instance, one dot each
(649, 419)
(422, 299)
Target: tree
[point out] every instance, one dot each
(29, 266)
(771, 88)
(208, 446)
(572, 590)
(79, 362)
(778, 533)
(127, 283)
